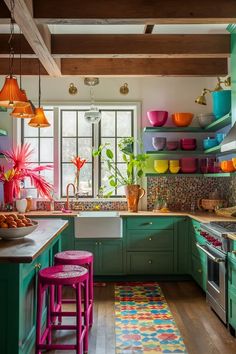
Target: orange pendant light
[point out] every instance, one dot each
(23, 112)
(11, 94)
(39, 120)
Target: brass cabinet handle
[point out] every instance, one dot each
(199, 270)
(148, 223)
(96, 243)
(150, 261)
(150, 239)
(100, 243)
(37, 266)
(234, 252)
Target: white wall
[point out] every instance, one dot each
(174, 94)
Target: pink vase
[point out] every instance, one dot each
(8, 192)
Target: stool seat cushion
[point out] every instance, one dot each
(63, 274)
(73, 257)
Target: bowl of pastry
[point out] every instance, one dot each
(13, 226)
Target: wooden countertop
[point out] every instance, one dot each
(25, 250)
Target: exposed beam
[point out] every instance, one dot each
(29, 67)
(148, 29)
(23, 18)
(135, 11)
(140, 45)
(145, 67)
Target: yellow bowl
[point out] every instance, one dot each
(174, 169)
(174, 163)
(161, 166)
(234, 162)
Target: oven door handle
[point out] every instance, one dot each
(214, 259)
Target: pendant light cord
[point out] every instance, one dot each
(11, 38)
(39, 85)
(20, 58)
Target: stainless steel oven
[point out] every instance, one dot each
(216, 279)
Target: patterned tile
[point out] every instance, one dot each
(144, 323)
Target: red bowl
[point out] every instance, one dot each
(157, 118)
(188, 147)
(188, 144)
(188, 164)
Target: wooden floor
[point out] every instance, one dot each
(202, 331)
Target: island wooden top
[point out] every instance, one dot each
(26, 249)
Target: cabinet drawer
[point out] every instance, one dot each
(150, 262)
(150, 240)
(149, 223)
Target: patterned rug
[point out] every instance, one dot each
(144, 323)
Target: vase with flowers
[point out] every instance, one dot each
(20, 168)
(79, 163)
(135, 163)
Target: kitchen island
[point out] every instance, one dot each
(20, 261)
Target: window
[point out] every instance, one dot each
(71, 135)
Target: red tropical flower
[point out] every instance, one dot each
(78, 162)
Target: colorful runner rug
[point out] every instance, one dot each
(144, 323)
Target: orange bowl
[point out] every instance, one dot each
(234, 162)
(182, 119)
(227, 166)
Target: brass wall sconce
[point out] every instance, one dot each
(124, 89)
(72, 89)
(202, 98)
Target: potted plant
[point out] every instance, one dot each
(135, 164)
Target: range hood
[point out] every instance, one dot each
(229, 142)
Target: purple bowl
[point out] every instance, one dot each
(172, 145)
(157, 118)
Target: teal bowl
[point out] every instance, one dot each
(209, 143)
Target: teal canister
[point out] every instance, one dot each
(221, 103)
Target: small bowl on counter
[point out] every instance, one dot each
(188, 144)
(209, 143)
(161, 166)
(204, 119)
(189, 164)
(182, 119)
(158, 143)
(157, 118)
(172, 145)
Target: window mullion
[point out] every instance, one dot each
(96, 141)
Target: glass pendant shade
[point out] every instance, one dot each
(11, 94)
(39, 120)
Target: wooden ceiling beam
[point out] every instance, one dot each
(125, 67)
(34, 35)
(135, 11)
(134, 45)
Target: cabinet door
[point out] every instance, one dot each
(68, 235)
(111, 257)
(199, 271)
(232, 291)
(91, 246)
(150, 240)
(28, 302)
(183, 246)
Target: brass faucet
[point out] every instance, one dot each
(67, 194)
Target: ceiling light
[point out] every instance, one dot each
(93, 115)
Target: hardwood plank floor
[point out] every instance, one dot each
(201, 329)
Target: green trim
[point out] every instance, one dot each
(213, 127)
(231, 28)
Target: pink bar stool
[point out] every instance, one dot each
(53, 277)
(82, 258)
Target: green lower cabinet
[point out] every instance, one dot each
(150, 263)
(18, 301)
(232, 291)
(108, 255)
(199, 271)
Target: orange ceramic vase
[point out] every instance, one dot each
(133, 193)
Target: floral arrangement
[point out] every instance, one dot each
(21, 167)
(79, 163)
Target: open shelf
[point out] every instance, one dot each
(213, 127)
(176, 152)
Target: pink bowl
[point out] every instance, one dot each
(188, 144)
(157, 118)
(188, 164)
(172, 145)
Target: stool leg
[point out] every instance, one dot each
(86, 314)
(59, 300)
(78, 319)
(39, 316)
(91, 296)
(50, 308)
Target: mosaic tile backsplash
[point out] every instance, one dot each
(182, 193)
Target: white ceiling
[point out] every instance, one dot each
(190, 29)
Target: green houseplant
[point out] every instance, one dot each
(135, 164)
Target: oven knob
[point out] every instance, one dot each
(217, 243)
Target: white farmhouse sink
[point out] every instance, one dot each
(98, 214)
(98, 224)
